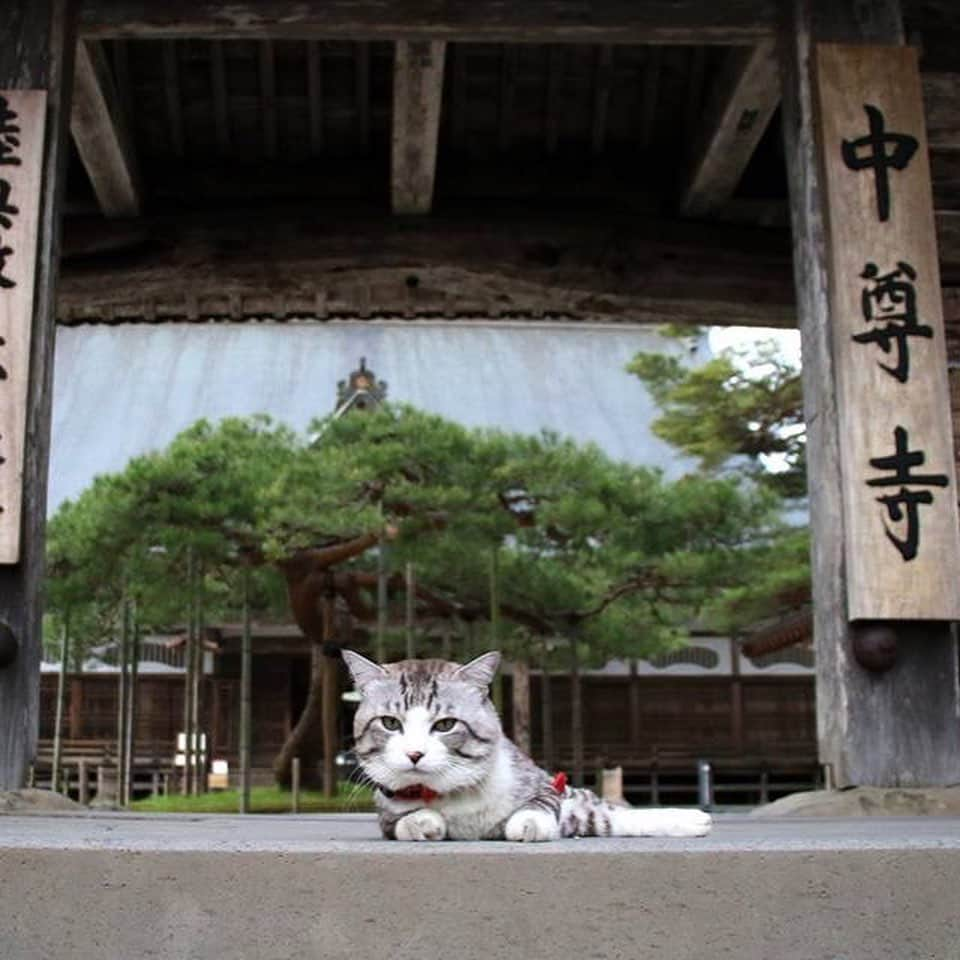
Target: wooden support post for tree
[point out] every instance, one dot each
(896, 727)
(61, 697)
(130, 729)
(36, 54)
(245, 697)
(634, 694)
(197, 786)
(380, 651)
(295, 785)
(123, 654)
(330, 698)
(83, 782)
(411, 612)
(576, 713)
(188, 676)
(546, 710)
(521, 704)
(494, 644)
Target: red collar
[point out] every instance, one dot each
(417, 792)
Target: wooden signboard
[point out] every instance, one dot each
(897, 459)
(22, 119)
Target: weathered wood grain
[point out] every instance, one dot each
(873, 401)
(417, 101)
(628, 269)
(37, 53)
(19, 228)
(898, 727)
(741, 104)
(941, 98)
(487, 21)
(100, 133)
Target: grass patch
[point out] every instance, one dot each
(350, 798)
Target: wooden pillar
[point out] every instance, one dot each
(897, 727)
(36, 53)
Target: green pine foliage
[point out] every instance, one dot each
(736, 414)
(733, 406)
(588, 548)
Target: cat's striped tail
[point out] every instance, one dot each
(584, 814)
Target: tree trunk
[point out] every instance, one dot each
(521, 705)
(305, 738)
(546, 712)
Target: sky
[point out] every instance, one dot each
(743, 338)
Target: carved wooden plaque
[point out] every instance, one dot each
(897, 459)
(22, 119)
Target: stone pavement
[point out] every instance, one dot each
(121, 886)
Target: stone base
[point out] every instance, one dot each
(35, 801)
(124, 886)
(866, 802)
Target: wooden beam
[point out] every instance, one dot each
(898, 727)
(268, 98)
(554, 108)
(315, 97)
(650, 98)
(743, 100)
(479, 21)
(100, 133)
(361, 90)
(601, 268)
(171, 90)
(509, 57)
(37, 53)
(601, 98)
(221, 105)
(417, 101)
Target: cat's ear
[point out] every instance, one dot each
(362, 670)
(481, 671)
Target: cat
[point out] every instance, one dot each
(430, 742)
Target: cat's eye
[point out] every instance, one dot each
(391, 723)
(445, 725)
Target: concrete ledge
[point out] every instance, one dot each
(277, 888)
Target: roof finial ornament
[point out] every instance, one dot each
(362, 391)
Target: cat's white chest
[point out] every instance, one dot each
(473, 816)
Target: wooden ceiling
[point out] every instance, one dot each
(225, 142)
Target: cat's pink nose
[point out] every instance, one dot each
(415, 756)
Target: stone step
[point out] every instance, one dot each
(324, 886)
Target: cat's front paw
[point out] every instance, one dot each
(421, 825)
(532, 826)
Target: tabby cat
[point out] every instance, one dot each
(429, 740)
